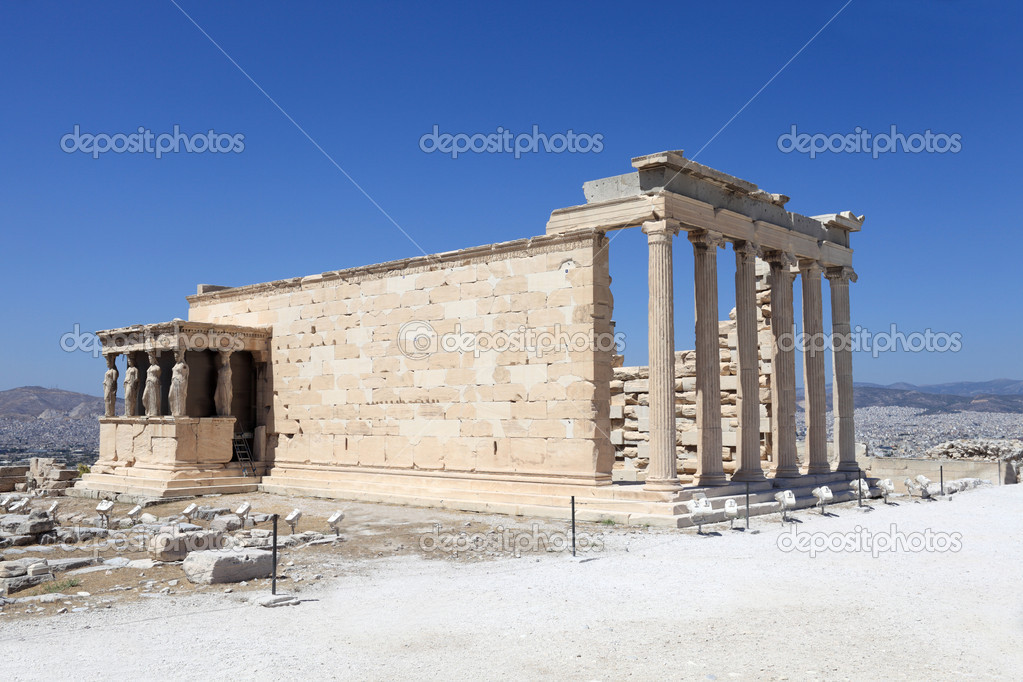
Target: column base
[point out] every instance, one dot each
(707, 480)
(848, 466)
(815, 469)
(786, 472)
(662, 484)
(742, 476)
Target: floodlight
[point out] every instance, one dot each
(699, 509)
(335, 522)
(787, 500)
(134, 513)
(731, 511)
(190, 511)
(292, 519)
(243, 510)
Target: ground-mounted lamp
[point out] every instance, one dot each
(335, 522)
(243, 511)
(190, 511)
(52, 511)
(731, 511)
(924, 484)
(134, 513)
(823, 495)
(786, 499)
(292, 519)
(699, 510)
(103, 509)
(887, 487)
(18, 505)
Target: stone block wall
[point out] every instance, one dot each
(630, 409)
(342, 393)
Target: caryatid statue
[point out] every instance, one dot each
(131, 387)
(151, 393)
(179, 385)
(225, 393)
(110, 387)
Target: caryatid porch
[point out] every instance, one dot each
(189, 389)
(670, 194)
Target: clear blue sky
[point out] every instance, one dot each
(124, 238)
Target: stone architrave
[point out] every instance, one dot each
(179, 386)
(151, 393)
(110, 387)
(131, 387)
(225, 391)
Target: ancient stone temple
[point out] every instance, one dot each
(481, 379)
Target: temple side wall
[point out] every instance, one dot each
(343, 395)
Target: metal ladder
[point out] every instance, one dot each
(244, 455)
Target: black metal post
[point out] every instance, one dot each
(273, 584)
(747, 505)
(859, 487)
(573, 525)
(941, 472)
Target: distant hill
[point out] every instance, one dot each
(968, 388)
(36, 402)
(935, 403)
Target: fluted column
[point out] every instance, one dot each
(783, 366)
(662, 472)
(813, 369)
(710, 468)
(748, 436)
(842, 379)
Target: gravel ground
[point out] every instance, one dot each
(649, 604)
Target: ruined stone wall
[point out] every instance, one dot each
(342, 394)
(630, 409)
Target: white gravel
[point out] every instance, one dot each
(653, 605)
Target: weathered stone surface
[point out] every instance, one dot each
(226, 523)
(173, 546)
(212, 567)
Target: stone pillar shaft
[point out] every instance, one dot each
(813, 369)
(662, 472)
(783, 367)
(748, 436)
(710, 468)
(842, 379)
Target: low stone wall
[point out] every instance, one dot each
(630, 405)
(12, 476)
(42, 474)
(900, 468)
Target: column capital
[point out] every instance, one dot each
(659, 227)
(707, 238)
(782, 259)
(747, 249)
(809, 266)
(840, 273)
